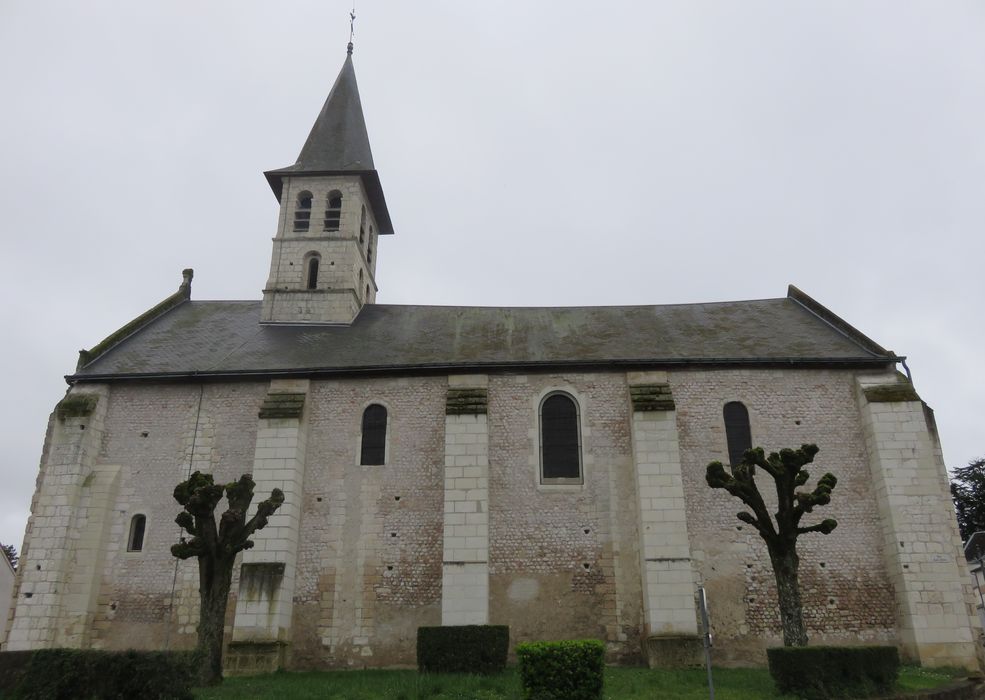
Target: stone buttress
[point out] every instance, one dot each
(264, 606)
(670, 624)
(65, 547)
(465, 562)
(921, 546)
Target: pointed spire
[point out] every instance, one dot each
(339, 143)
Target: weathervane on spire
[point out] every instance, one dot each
(352, 26)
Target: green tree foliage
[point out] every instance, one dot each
(968, 494)
(787, 469)
(11, 553)
(216, 547)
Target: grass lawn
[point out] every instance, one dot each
(620, 684)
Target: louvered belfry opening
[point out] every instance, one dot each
(374, 435)
(737, 431)
(302, 212)
(560, 444)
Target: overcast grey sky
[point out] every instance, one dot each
(562, 153)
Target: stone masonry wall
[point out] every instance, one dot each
(347, 271)
(564, 561)
(847, 595)
(151, 433)
(369, 563)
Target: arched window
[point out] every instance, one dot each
(374, 435)
(369, 252)
(737, 432)
(311, 263)
(135, 542)
(362, 226)
(367, 292)
(313, 273)
(560, 440)
(302, 211)
(333, 211)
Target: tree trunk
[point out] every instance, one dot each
(786, 565)
(215, 577)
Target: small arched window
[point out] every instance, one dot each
(312, 273)
(302, 211)
(362, 226)
(373, 449)
(138, 524)
(333, 210)
(369, 252)
(737, 431)
(560, 440)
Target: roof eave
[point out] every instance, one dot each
(437, 368)
(841, 325)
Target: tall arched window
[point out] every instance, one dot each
(374, 435)
(560, 440)
(737, 431)
(138, 524)
(302, 211)
(333, 210)
(362, 226)
(311, 271)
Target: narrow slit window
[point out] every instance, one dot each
(135, 542)
(302, 212)
(362, 226)
(312, 282)
(374, 435)
(560, 440)
(737, 431)
(333, 211)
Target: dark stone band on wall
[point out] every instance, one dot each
(890, 393)
(282, 406)
(466, 402)
(652, 397)
(76, 406)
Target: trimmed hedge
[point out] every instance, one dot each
(83, 674)
(818, 673)
(12, 665)
(570, 670)
(463, 648)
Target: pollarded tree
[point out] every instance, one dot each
(787, 469)
(216, 547)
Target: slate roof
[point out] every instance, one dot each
(220, 338)
(339, 144)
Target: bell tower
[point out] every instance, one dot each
(332, 212)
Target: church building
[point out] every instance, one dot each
(542, 468)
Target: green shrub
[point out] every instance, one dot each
(817, 673)
(571, 670)
(463, 648)
(12, 665)
(82, 674)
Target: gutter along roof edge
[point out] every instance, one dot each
(438, 368)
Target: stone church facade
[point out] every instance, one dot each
(536, 467)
